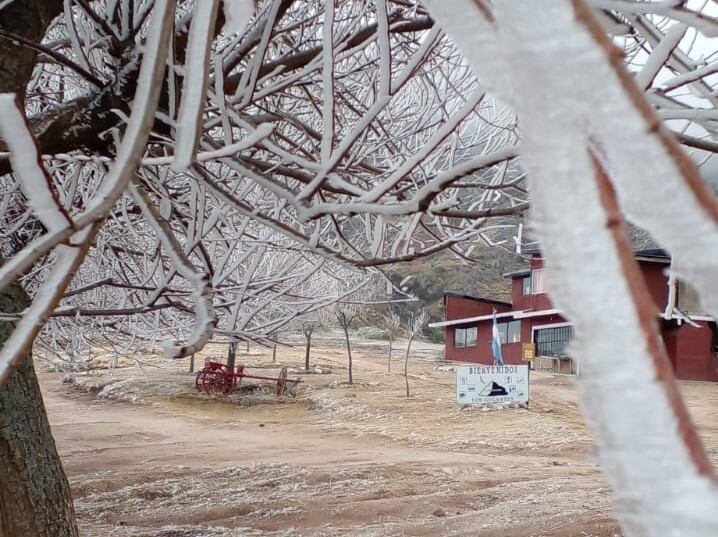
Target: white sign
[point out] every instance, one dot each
(489, 384)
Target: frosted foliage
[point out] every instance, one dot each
(598, 126)
(243, 187)
(224, 169)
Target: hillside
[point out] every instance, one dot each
(429, 279)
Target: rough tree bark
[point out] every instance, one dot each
(406, 366)
(388, 363)
(35, 499)
(349, 352)
(392, 322)
(414, 326)
(308, 335)
(29, 20)
(345, 319)
(231, 356)
(306, 354)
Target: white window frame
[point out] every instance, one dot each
(542, 326)
(551, 325)
(524, 279)
(504, 334)
(535, 288)
(465, 339)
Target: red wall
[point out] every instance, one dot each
(481, 353)
(689, 348)
(653, 273)
(656, 281)
(669, 333)
(533, 301)
(692, 352)
(458, 307)
(519, 300)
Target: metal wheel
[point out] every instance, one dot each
(215, 380)
(282, 381)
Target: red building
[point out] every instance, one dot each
(690, 338)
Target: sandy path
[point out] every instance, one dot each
(94, 435)
(369, 463)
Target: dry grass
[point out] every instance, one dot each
(149, 456)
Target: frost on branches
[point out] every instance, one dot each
(219, 178)
(173, 175)
(594, 146)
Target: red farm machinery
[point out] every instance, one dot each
(218, 378)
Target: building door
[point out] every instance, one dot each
(552, 341)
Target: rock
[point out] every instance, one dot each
(439, 513)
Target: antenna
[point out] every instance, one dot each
(519, 238)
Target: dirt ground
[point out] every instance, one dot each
(148, 456)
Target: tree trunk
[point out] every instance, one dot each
(306, 354)
(388, 368)
(349, 353)
(35, 499)
(28, 19)
(231, 356)
(406, 367)
(191, 363)
(274, 354)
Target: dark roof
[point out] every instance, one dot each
(514, 273)
(477, 299)
(531, 248)
(657, 253)
(654, 254)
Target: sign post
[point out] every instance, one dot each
(491, 385)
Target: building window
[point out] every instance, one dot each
(465, 337)
(538, 282)
(526, 282)
(552, 341)
(510, 332)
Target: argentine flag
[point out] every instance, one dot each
(496, 343)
